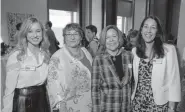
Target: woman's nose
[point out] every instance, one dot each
(34, 34)
(149, 29)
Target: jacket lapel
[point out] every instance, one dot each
(111, 67)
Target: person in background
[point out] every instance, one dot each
(91, 37)
(111, 74)
(156, 70)
(132, 39)
(124, 39)
(51, 37)
(26, 69)
(85, 43)
(69, 80)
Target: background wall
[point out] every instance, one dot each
(175, 17)
(181, 34)
(36, 7)
(97, 15)
(140, 6)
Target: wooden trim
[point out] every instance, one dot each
(147, 10)
(47, 10)
(133, 13)
(80, 12)
(103, 13)
(90, 11)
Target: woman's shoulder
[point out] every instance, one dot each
(86, 52)
(168, 47)
(14, 52)
(58, 52)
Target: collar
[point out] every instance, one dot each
(40, 57)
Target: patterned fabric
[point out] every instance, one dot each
(143, 101)
(109, 94)
(69, 82)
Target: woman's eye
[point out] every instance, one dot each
(153, 27)
(29, 31)
(38, 30)
(145, 26)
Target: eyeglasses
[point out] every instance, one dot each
(72, 35)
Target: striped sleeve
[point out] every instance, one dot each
(95, 86)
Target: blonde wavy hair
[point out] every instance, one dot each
(23, 42)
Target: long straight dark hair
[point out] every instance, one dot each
(158, 40)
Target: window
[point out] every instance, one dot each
(119, 23)
(60, 19)
(125, 15)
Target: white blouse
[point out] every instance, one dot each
(69, 81)
(20, 74)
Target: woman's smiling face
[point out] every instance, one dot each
(112, 40)
(72, 38)
(34, 35)
(149, 30)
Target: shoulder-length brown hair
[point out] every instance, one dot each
(104, 34)
(23, 42)
(158, 40)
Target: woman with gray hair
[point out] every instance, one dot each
(69, 80)
(111, 74)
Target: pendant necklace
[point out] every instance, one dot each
(114, 57)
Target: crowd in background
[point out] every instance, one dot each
(113, 73)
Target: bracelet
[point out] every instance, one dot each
(171, 108)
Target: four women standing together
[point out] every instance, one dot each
(76, 83)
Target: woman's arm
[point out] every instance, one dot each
(12, 72)
(95, 87)
(54, 86)
(174, 77)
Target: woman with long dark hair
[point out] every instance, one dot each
(156, 70)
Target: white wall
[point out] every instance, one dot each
(175, 17)
(140, 6)
(36, 7)
(97, 15)
(181, 34)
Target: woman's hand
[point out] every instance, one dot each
(172, 107)
(170, 110)
(63, 107)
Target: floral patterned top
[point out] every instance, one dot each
(69, 82)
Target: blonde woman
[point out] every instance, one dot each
(27, 71)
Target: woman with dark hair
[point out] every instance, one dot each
(156, 70)
(27, 71)
(111, 74)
